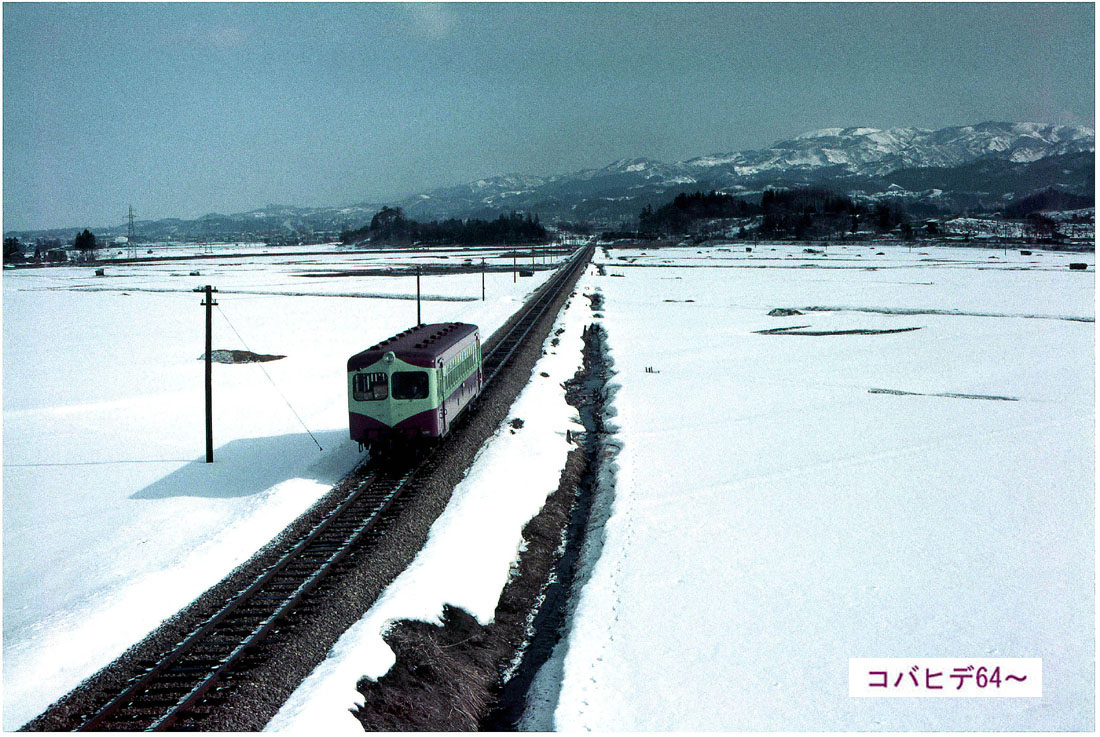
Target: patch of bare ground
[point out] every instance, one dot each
(446, 677)
(238, 356)
(802, 330)
(949, 395)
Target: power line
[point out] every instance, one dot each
(273, 384)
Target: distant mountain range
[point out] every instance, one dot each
(931, 172)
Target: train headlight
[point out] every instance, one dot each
(389, 357)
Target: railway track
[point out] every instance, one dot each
(198, 670)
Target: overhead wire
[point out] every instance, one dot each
(273, 384)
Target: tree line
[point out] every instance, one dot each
(84, 242)
(390, 226)
(806, 212)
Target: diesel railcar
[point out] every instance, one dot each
(414, 384)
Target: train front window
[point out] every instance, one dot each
(369, 387)
(410, 385)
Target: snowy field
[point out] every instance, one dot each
(111, 520)
(783, 502)
(786, 502)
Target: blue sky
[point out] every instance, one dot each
(189, 108)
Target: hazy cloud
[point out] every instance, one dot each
(430, 20)
(224, 37)
(202, 35)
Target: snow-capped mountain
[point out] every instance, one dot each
(863, 160)
(875, 152)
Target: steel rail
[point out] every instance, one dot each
(239, 599)
(379, 492)
(540, 303)
(283, 609)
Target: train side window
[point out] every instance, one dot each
(410, 385)
(369, 387)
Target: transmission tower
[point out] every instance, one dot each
(130, 235)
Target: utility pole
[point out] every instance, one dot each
(417, 295)
(513, 266)
(130, 235)
(209, 304)
(482, 280)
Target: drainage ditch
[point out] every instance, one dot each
(588, 392)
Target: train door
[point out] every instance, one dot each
(442, 391)
(477, 348)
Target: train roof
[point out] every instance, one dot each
(421, 345)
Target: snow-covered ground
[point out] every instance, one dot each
(776, 513)
(111, 520)
(783, 502)
(116, 254)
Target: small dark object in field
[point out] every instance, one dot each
(811, 250)
(949, 395)
(195, 273)
(801, 330)
(880, 253)
(1078, 267)
(1025, 253)
(99, 272)
(544, 375)
(524, 272)
(235, 356)
(516, 423)
(783, 312)
(749, 250)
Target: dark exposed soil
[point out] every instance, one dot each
(247, 700)
(445, 677)
(236, 356)
(801, 330)
(589, 392)
(949, 395)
